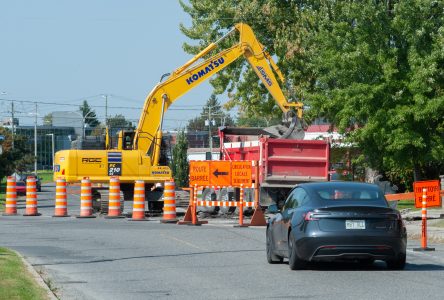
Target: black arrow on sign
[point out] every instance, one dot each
(217, 173)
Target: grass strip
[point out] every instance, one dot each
(45, 176)
(403, 204)
(16, 282)
(2, 196)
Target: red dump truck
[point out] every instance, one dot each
(282, 162)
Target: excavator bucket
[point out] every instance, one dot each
(291, 128)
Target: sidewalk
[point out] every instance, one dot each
(414, 224)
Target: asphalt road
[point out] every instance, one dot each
(119, 259)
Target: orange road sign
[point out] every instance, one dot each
(220, 173)
(241, 173)
(433, 195)
(199, 173)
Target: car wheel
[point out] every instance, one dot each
(271, 257)
(398, 263)
(294, 261)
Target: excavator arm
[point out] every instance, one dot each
(148, 134)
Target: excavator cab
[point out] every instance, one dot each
(125, 139)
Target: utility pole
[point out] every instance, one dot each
(106, 109)
(12, 123)
(35, 141)
(209, 132)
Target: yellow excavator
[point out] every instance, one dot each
(138, 152)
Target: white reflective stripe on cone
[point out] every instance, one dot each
(169, 213)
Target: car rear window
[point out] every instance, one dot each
(355, 195)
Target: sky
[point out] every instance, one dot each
(60, 52)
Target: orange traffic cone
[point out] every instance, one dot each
(11, 197)
(114, 199)
(139, 201)
(61, 203)
(86, 209)
(169, 202)
(31, 197)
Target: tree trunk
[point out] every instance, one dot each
(416, 172)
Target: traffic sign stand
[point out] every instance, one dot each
(192, 208)
(258, 218)
(241, 209)
(424, 224)
(187, 218)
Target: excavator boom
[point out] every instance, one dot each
(148, 133)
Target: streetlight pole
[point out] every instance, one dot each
(35, 140)
(12, 123)
(84, 119)
(106, 108)
(52, 148)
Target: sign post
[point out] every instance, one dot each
(429, 189)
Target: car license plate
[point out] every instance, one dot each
(354, 224)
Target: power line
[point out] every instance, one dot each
(178, 107)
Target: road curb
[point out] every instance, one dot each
(36, 276)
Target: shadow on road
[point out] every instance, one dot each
(377, 266)
(144, 256)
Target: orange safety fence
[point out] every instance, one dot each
(190, 218)
(404, 196)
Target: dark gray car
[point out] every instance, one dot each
(336, 221)
(38, 184)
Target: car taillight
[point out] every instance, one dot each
(310, 216)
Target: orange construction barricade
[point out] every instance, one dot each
(31, 197)
(61, 203)
(114, 199)
(11, 197)
(139, 202)
(424, 246)
(86, 209)
(169, 202)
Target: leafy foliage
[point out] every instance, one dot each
(17, 159)
(90, 114)
(179, 163)
(118, 121)
(47, 119)
(375, 69)
(214, 110)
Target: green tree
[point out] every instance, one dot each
(179, 162)
(47, 119)
(375, 69)
(17, 159)
(214, 110)
(91, 117)
(118, 121)
(243, 120)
